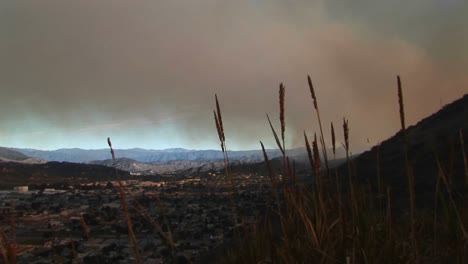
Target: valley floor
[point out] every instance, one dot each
(176, 218)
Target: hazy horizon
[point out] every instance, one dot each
(150, 149)
(145, 72)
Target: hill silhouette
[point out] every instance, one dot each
(13, 173)
(9, 154)
(432, 140)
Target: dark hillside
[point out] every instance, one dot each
(12, 174)
(434, 138)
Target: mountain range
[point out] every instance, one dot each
(158, 156)
(178, 160)
(138, 154)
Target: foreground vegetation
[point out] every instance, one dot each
(342, 218)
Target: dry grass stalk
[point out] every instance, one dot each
(443, 176)
(271, 173)
(290, 169)
(436, 204)
(346, 145)
(286, 164)
(85, 228)
(412, 199)
(278, 142)
(314, 98)
(318, 177)
(333, 140)
(465, 160)
(341, 217)
(12, 245)
(111, 149)
(131, 233)
(389, 213)
(312, 92)
(317, 161)
(13, 222)
(227, 171)
(408, 165)
(401, 104)
(218, 128)
(2, 251)
(346, 137)
(352, 193)
(8, 250)
(309, 151)
(167, 238)
(282, 120)
(379, 177)
(220, 119)
(123, 200)
(272, 176)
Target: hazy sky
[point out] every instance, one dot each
(145, 73)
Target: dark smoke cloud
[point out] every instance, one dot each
(145, 72)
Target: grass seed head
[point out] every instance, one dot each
(109, 142)
(309, 150)
(281, 100)
(220, 118)
(218, 128)
(312, 92)
(346, 133)
(401, 103)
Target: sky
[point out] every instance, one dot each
(144, 73)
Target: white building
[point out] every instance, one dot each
(21, 188)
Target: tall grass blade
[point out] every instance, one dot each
(309, 151)
(282, 119)
(220, 133)
(465, 160)
(278, 142)
(333, 140)
(220, 118)
(315, 101)
(409, 169)
(123, 200)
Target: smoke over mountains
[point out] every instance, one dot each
(144, 72)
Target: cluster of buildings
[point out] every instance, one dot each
(182, 218)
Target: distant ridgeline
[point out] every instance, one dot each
(141, 155)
